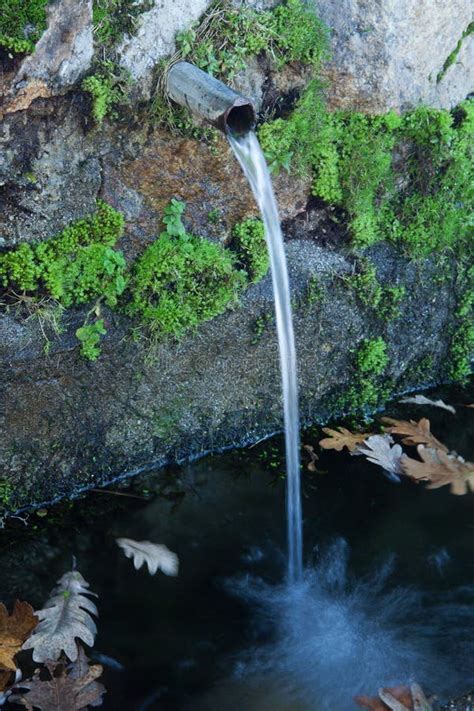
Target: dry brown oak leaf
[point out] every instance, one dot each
(74, 688)
(414, 432)
(5, 677)
(440, 469)
(341, 437)
(399, 698)
(14, 630)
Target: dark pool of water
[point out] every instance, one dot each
(388, 593)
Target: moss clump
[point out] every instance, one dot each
(249, 242)
(367, 389)
(351, 157)
(75, 266)
(451, 58)
(290, 143)
(384, 300)
(108, 88)
(227, 37)
(181, 280)
(22, 23)
(114, 18)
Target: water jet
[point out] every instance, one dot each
(234, 114)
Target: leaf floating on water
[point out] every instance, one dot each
(422, 400)
(378, 449)
(155, 555)
(341, 437)
(440, 469)
(74, 688)
(14, 629)
(66, 615)
(311, 466)
(400, 698)
(414, 432)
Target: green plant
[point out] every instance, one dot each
(451, 58)
(89, 336)
(368, 388)
(314, 291)
(227, 36)
(114, 18)
(75, 267)
(6, 492)
(249, 242)
(108, 88)
(214, 216)
(290, 144)
(181, 280)
(22, 23)
(261, 324)
(384, 300)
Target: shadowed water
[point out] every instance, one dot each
(249, 154)
(333, 637)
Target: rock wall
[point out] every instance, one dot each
(66, 423)
(390, 54)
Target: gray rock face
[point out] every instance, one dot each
(155, 36)
(61, 57)
(387, 54)
(50, 173)
(67, 423)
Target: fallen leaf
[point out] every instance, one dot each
(341, 437)
(440, 469)
(74, 688)
(14, 629)
(414, 432)
(5, 677)
(313, 457)
(400, 698)
(66, 615)
(378, 449)
(422, 400)
(155, 555)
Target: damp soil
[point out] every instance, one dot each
(386, 557)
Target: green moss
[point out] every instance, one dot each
(181, 280)
(369, 388)
(351, 158)
(114, 18)
(462, 343)
(249, 242)
(75, 267)
(261, 324)
(384, 300)
(108, 88)
(6, 493)
(290, 143)
(451, 58)
(22, 23)
(314, 292)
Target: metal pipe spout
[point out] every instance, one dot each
(210, 99)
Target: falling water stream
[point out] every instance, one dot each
(250, 156)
